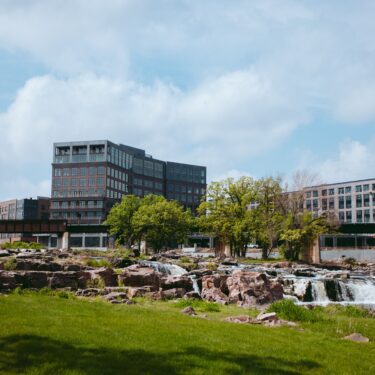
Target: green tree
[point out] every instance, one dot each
(226, 213)
(299, 231)
(120, 220)
(160, 222)
(268, 214)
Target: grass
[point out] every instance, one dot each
(43, 334)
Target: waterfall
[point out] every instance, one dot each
(171, 269)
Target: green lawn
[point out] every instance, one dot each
(50, 335)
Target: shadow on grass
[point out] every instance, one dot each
(43, 355)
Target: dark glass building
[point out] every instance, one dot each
(89, 177)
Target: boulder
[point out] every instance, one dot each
(8, 280)
(267, 316)
(72, 267)
(64, 280)
(173, 293)
(89, 292)
(243, 319)
(252, 288)
(107, 275)
(192, 295)
(32, 279)
(140, 291)
(357, 337)
(4, 253)
(37, 265)
(214, 295)
(180, 281)
(138, 275)
(188, 311)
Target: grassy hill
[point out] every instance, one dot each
(42, 334)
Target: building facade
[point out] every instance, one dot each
(352, 202)
(89, 177)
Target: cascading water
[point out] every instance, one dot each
(171, 269)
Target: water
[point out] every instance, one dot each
(171, 269)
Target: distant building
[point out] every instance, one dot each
(23, 209)
(89, 177)
(352, 202)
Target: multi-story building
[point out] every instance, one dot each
(89, 177)
(23, 209)
(351, 202)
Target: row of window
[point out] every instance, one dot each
(142, 193)
(185, 189)
(184, 198)
(148, 184)
(76, 215)
(82, 182)
(362, 216)
(343, 202)
(115, 173)
(82, 171)
(74, 204)
(114, 184)
(78, 193)
(148, 168)
(340, 190)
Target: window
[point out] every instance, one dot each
(348, 201)
(101, 170)
(315, 204)
(348, 189)
(367, 216)
(65, 182)
(366, 200)
(331, 191)
(66, 172)
(359, 216)
(308, 194)
(324, 204)
(92, 171)
(341, 216)
(158, 186)
(358, 188)
(358, 201)
(82, 182)
(148, 184)
(341, 190)
(57, 172)
(331, 204)
(366, 187)
(74, 171)
(324, 192)
(348, 216)
(83, 171)
(74, 182)
(308, 205)
(341, 203)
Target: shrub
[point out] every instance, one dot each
(212, 266)
(22, 245)
(287, 309)
(185, 260)
(95, 283)
(97, 263)
(198, 305)
(10, 264)
(348, 311)
(350, 261)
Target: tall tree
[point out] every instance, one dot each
(160, 222)
(120, 219)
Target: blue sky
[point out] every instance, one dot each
(245, 87)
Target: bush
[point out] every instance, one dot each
(10, 264)
(212, 266)
(97, 263)
(95, 283)
(348, 311)
(198, 305)
(350, 261)
(185, 260)
(287, 309)
(22, 245)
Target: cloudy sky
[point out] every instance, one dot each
(257, 87)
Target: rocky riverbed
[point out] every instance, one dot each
(172, 275)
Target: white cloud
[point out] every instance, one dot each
(354, 161)
(219, 123)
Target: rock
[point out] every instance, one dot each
(138, 291)
(215, 281)
(4, 253)
(172, 282)
(243, 319)
(89, 292)
(192, 295)
(8, 280)
(252, 288)
(200, 272)
(115, 295)
(357, 337)
(214, 295)
(267, 316)
(188, 311)
(107, 275)
(305, 272)
(229, 262)
(32, 279)
(64, 280)
(32, 265)
(72, 267)
(173, 293)
(137, 275)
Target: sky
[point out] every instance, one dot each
(255, 87)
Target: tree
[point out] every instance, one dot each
(226, 212)
(160, 222)
(120, 219)
(299, 231)
(268, 214)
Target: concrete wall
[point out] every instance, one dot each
(363, 255)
